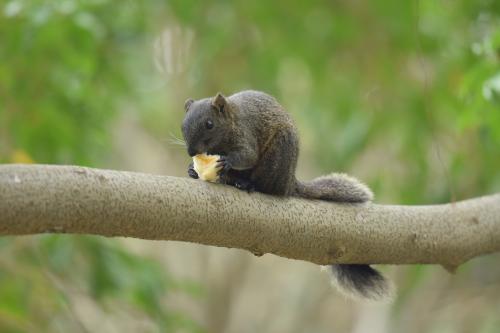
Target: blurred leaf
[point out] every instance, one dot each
(20, 156)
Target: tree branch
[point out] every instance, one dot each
(67, 199)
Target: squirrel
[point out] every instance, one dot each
(258, 145)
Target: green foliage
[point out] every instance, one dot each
(49, 273)
(64, 73)
(416, 82)
(404, 94)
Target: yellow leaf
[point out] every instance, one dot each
(22, 157)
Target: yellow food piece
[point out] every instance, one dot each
(206, 166)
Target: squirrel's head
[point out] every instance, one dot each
(206, 125)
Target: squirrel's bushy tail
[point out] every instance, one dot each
(334, 187)
(361, 281)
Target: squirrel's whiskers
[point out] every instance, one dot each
(174, 140)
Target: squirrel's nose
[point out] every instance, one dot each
(191, 151)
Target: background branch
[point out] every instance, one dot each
(69, 199)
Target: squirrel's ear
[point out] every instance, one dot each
(219, 102)
(188, 103)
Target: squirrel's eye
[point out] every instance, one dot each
(209, 124)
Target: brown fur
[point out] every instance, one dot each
(260, 146)
(259, 136)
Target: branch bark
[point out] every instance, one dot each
(69, 199)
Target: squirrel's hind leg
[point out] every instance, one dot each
(239, 179)
(275, 173)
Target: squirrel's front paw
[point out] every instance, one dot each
(224, 165)
(191, 172)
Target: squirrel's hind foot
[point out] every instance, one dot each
(244, 185)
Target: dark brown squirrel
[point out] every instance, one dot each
(258, 145)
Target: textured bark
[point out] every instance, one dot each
(68, 199)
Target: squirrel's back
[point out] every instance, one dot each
(263, 116)
(255, 100)
(261, 106)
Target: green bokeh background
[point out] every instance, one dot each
(404, 95)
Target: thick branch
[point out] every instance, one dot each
(67, 199)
